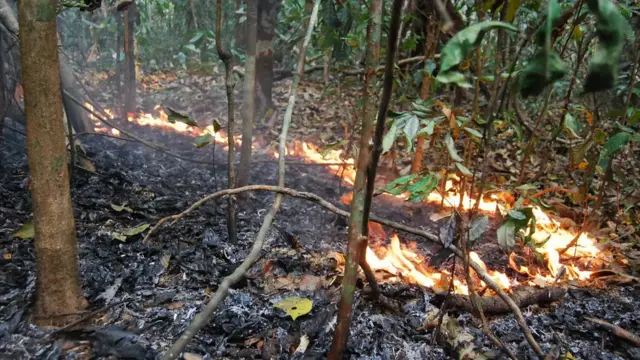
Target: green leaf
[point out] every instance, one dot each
(615, 144)
(572, 125)
(457, 49)
(507, 236)
(419, 190)
(428, 129)
(527, 187)
(451, 148)
(634, 117)
(175, 116)
(473, 132)
(389, 138)
(119, 208)
(26, 231)
(197, 38)
(191, 47)
(136, 230)
(410, 130)
(399, 185)
(463, 169)
(546, 66)
(118, 236)
(478, 227)
(517, 215)
(610, 27)
(204, 140)
(453, 77)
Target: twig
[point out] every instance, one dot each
(392, 224)
(616, 330)
(203, 318)
(444, 14)
(87, 317)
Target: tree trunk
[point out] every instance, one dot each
(248, 102)
(118, 77)
(130, 61)
(227, 59)
(57, 284)
(241, 28)
(267, 16)
(356, 242)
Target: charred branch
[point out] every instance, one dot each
(493, 305)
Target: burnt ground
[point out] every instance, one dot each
(154, 291)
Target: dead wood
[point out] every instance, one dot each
(616, 330)
(522, 296)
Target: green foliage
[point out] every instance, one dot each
(603, 69)
(515, 221)
(174, 116)
(546, 66)
(418, 190)
(458, 48)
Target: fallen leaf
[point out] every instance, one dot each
(304, 343)
(191, 356)
(7, 256)
(118, 236)
(136, 230)
(26, 231)
(295, 306)
(165, 260)
(310, 282)
(119, 208)
(175, 305)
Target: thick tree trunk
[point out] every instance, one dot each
(267, 16)
(248, 102)
(130, 60)
(57, 285)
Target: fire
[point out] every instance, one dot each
(161, 121)
(396, 262)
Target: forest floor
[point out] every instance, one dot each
(151, 292)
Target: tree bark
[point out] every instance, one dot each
(248, 102)
(57, 284)
(267, 17)
(130, 60)
(118, 77)
(356, 241)
(227, 59)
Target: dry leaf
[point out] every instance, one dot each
(295, 306)
(310, 282)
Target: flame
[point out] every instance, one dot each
(161, 121)
(396, 262)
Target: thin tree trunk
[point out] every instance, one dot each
(118, 77)
(248, 102)
(265, 30)
(356, 241)
(227, 59)
(130, 60)
(57, 281)
(203, 318)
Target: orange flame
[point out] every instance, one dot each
(398, 262)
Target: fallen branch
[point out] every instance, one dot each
(203, 317)
(616, 330)
(522, 296)
(392, 224)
